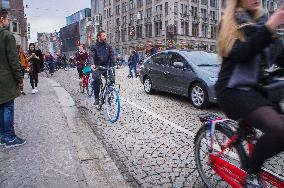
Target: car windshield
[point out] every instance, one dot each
(201, 58)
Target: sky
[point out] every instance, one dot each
(49, 15)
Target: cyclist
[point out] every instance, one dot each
(245, 41)
(81, 57)
(103, 55)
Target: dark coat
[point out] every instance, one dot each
(103, 54)
(134, 59)
(35, 64)
(10, 67)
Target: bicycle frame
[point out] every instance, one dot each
(232, 174)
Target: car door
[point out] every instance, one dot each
(159, 63)
(180, 73)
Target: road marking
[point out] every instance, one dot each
(177, 127)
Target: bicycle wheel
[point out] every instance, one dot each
(235, 156)
(90, 86)
(81, 85)
(113, 105)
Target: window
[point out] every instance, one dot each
(175, 57)
(117, 9)
(184, 28)
(213, 32)
(204, 30)
(195, 29)
(213, 3)
(176, 8)
(194, 11)
(160, 59)
(148, 30)
(158, 28)
(212, 15)
(139, 31)
(124, 7)
(124, 19)
(139, 3)
(148, 2)
(5, 4)
(123, 35)
(131, 17)
(131, 4)
(204, 2)
(166, 8)
(184, 9)
(117, 22)
(14, 27)
(159, 9)
(149, 12)
(203, 13)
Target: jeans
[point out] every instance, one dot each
(97, 76)
(7, 120)
(134, 67)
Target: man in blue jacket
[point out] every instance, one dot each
(103, 56)
(133, 61)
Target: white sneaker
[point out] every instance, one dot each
(33, 92)
(36, 90)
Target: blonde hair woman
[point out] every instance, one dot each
(247, 45)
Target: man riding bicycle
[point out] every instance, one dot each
(103, 55)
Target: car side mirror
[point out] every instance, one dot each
(179, 65)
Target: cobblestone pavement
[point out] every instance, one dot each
(152, 143)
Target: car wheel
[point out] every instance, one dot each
(148, 87)
(199, 96)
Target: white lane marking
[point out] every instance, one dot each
(177, 127)
(189, 133)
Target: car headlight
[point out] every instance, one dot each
(213, 79)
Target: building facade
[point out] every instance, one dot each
(18, 24)
(49, 42)
(183, 23)
(78, 16)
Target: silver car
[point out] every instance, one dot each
(188, 73)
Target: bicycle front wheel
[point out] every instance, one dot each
(113, 105)
(90, 86)
(235, 155)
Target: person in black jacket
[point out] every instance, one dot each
(245, 40)
(103, 55)
(34, 60)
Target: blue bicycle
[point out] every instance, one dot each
(109, 95)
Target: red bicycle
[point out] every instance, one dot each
(84, 83)
(223, 147)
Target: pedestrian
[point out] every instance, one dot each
(133, 61)
(81, 57)
(103, 55)
(246, 36)
(10, 82)
(49, 60)
(24, 65)
(34, 66)
(150, 50)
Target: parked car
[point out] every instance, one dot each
(188, 73)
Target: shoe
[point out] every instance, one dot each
(2, 141)
(36, 90)
(33, 92)
(97, 101)
(254, 181)
(23, 93)
(14, 143)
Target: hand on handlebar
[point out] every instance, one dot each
(93, 67)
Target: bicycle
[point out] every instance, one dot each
(224, 142)
(46, 70)
(84, 83)
(109, 94)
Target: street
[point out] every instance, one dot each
(152, 142)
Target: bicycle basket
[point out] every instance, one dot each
(87, 70)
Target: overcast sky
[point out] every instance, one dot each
(49, 15)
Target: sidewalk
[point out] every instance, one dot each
(61, 150)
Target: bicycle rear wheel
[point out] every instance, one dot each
(81, 85)
(235, 156)
(113, 105)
